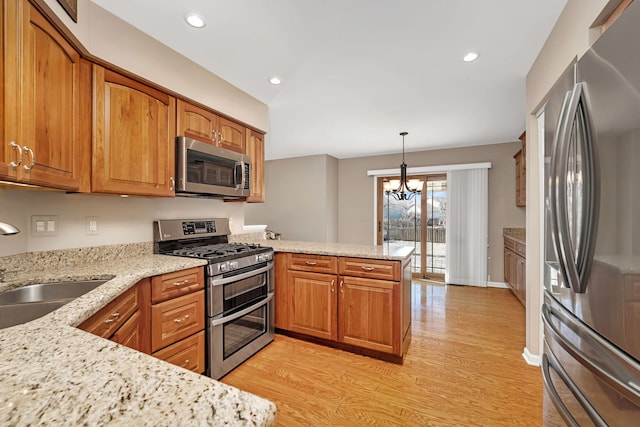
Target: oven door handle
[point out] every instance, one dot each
(234, 316)
(231, 279)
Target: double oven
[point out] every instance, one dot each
(239, 289)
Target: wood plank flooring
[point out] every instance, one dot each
(464, 368)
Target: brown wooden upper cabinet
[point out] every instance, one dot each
(204, 125)
(46, 105)
(255, 150)
(133, 137)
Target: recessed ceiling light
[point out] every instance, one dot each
(471, 56)
(275, 81)
(194, 20)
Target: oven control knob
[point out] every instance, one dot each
(233, 265)
(224, 266)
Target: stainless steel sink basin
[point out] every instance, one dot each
(30, 302)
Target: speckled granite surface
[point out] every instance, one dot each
(54, 374)
(387, 251)
(517, 234)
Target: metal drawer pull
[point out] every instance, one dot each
(311, 263)
(183, 282)
(367, 268)
(15, 146)
(115, 316)
(186, 362)
(181, 319)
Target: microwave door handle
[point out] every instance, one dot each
(238, 176)
(554, 186)
(591, 184)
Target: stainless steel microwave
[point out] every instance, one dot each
(206, 170)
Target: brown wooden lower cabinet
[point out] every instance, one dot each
(369, 314)
(124, 320)
(172, 328)
(346, 303)
(515, 268)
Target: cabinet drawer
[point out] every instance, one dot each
(521, 250)
(313, 263)
(105, 322)
(509, 244)
(187, 353)
(176, 319)
(172, 285)
(370, 268)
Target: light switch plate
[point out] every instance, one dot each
(44, 225)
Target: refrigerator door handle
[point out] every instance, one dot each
(549, 360)
(554, 185)
(610, 369)
(577, 260)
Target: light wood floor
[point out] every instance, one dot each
(464, 368)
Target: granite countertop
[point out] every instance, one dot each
(53, 373)
(388, 251)
(517, 234)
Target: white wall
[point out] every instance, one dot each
(120, 220)
(301, 199)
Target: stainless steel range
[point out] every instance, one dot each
(239, 288)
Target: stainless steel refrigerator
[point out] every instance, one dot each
(591, 309)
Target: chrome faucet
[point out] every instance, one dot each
(8, 229)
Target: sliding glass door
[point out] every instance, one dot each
(419, 222)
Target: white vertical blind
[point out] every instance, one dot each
(467, 227)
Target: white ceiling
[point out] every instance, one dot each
(357, 72)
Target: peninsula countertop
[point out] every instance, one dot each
(53, 373)
(387, 251)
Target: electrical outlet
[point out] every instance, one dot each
(44, 225)
(92, 225)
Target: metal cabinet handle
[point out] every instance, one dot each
(115, 316)
(15, 146)
(186, 362)
(182, 282)
(182, 319)
(341, 287)
(311, 263)
(33, 158)
(173, 183)
(367, 268)
(333, 281)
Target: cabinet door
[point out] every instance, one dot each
(369, 314)
(507, 266)
(195, 122)
(130, 334)
(133, 138)
(521, 283)
(47, 105)
(255, 149)
(231, 135)
(312, 304)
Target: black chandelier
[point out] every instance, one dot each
(401, 189)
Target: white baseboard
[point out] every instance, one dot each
(497, 285)
(531, 359)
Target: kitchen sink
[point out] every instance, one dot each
(30, 302)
